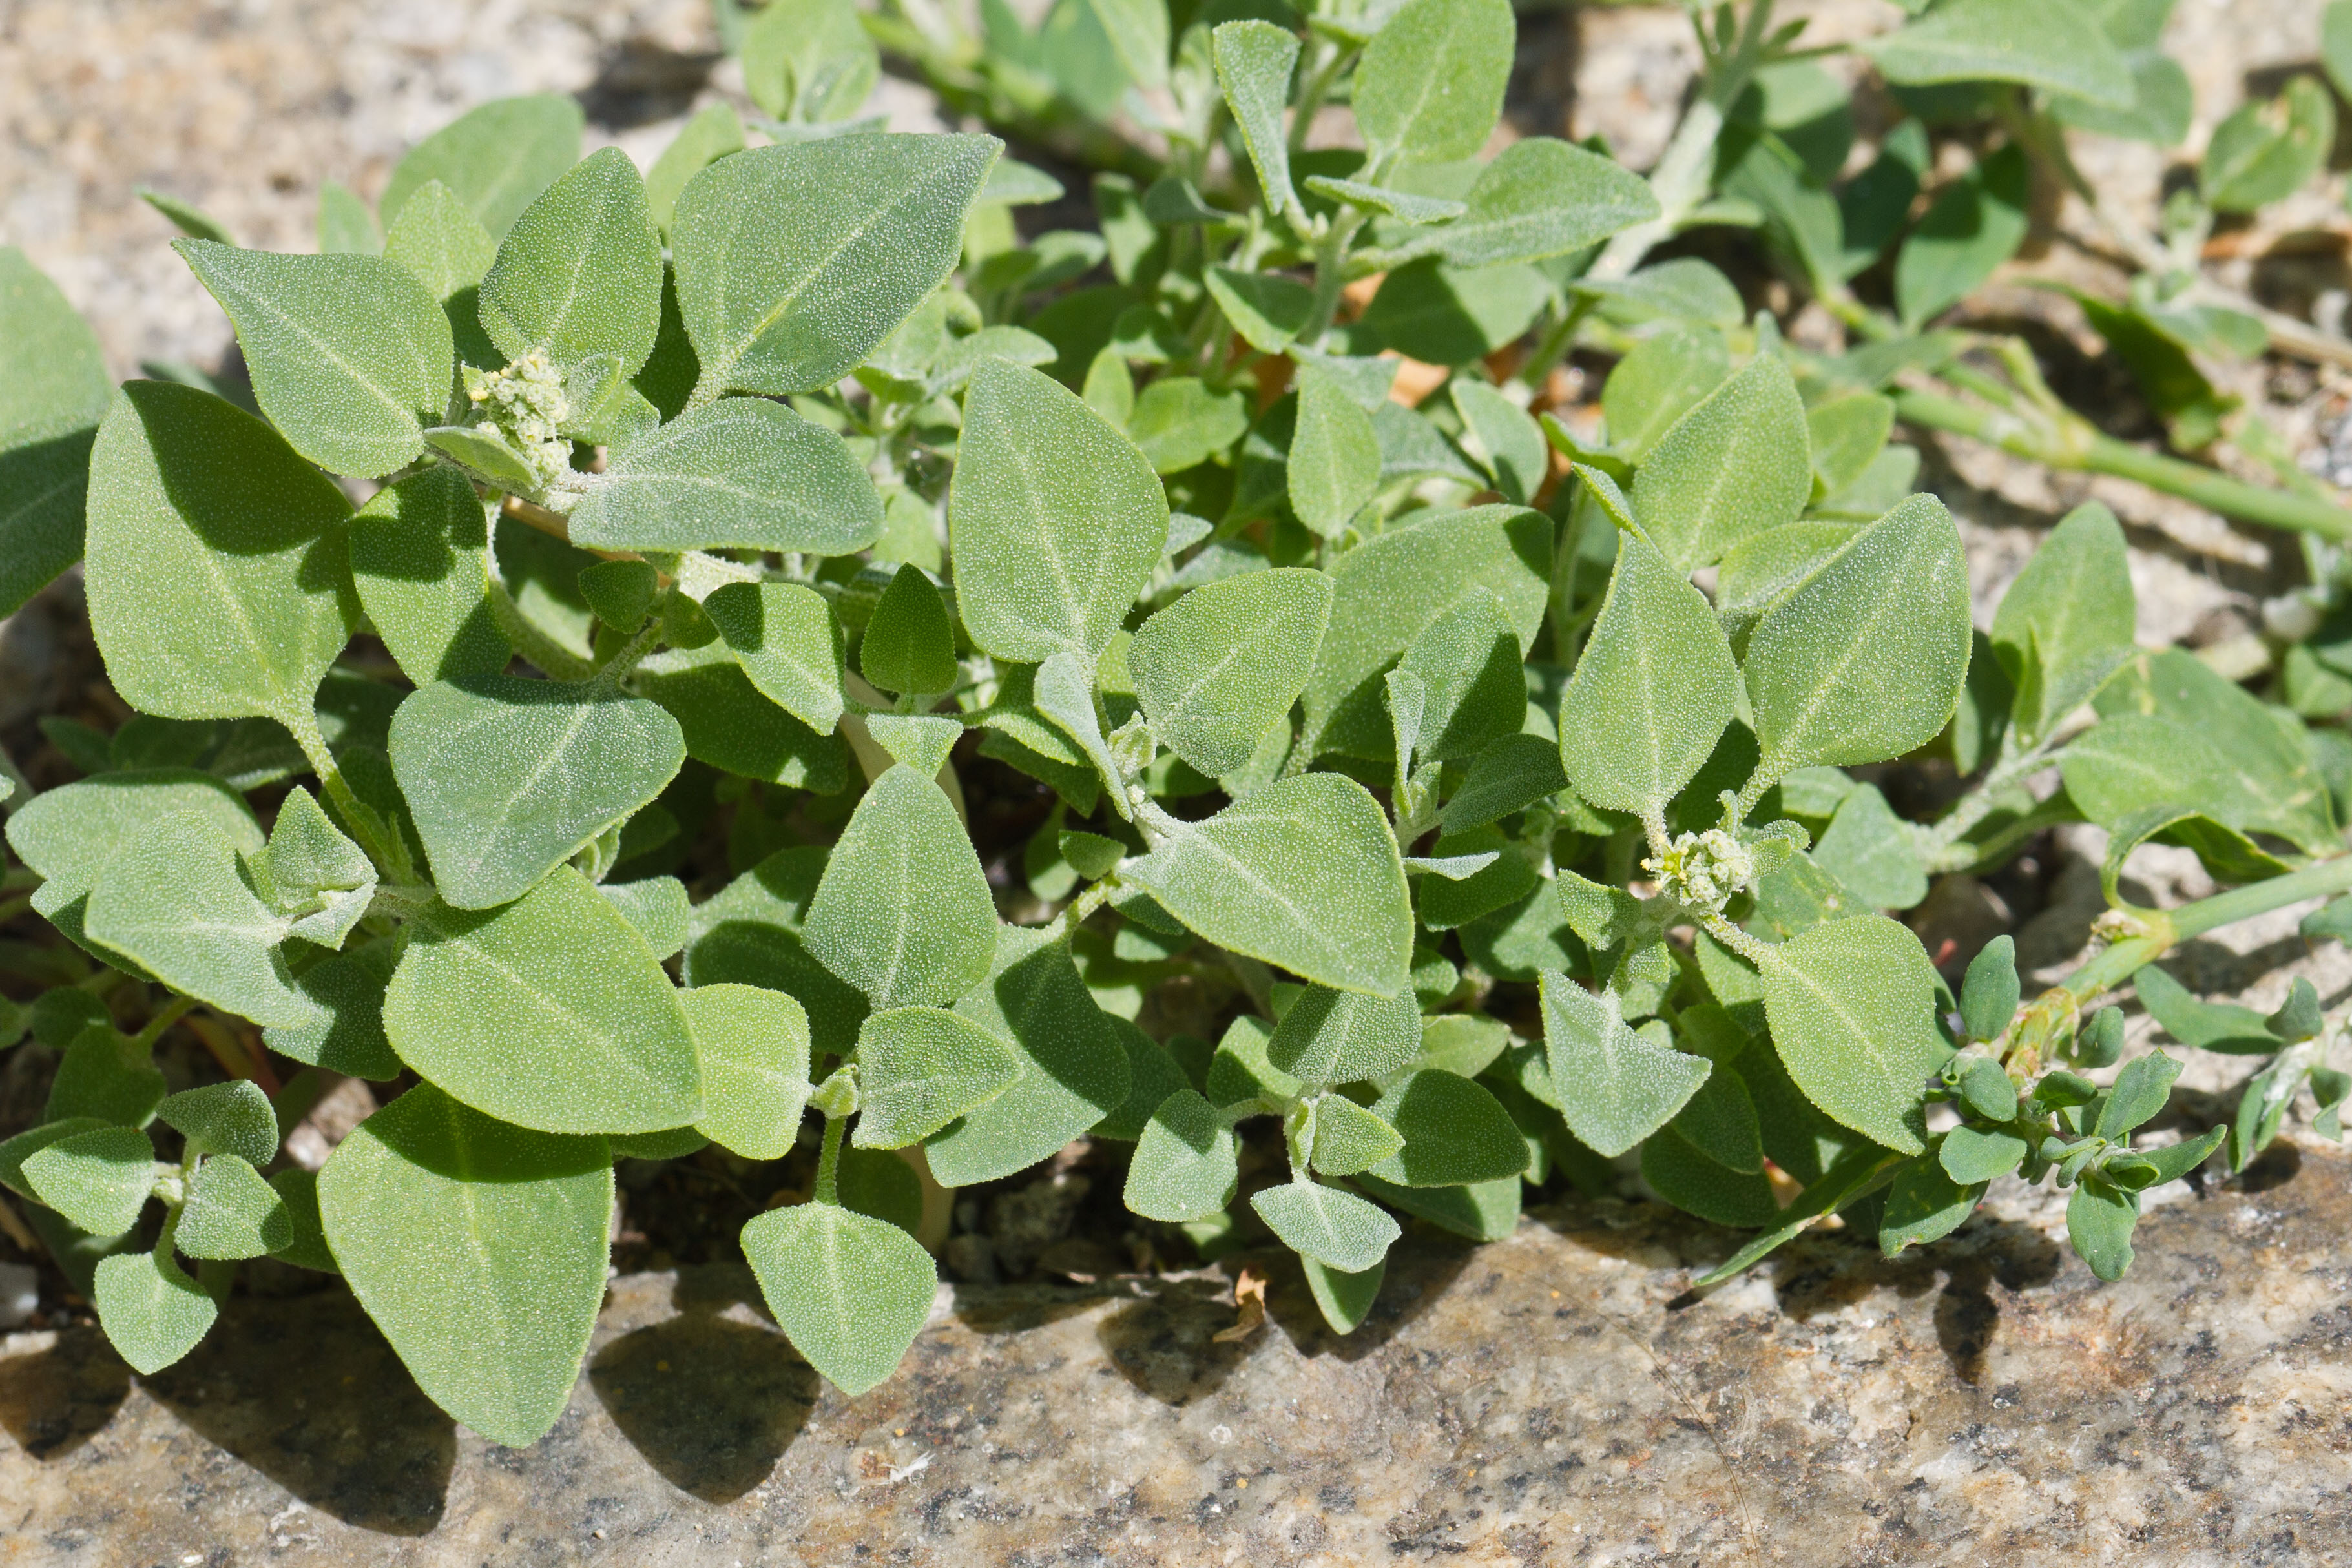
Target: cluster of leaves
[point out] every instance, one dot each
(771, 476)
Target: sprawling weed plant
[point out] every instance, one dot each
(782, 476)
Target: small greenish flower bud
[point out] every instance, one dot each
(1703, 870)
(526, 402)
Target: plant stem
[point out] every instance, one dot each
(829, 1162)
(383, 845)
(2071, 442)
(2168, 929)
(170, 1013)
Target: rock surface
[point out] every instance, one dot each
(1556, 1398)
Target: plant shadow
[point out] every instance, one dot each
(54, 1400)
(711, 1400)
(307, 1392)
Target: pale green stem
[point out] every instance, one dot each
(829, 1162)
(170, 1013)
(2166, 929)
(382, 845)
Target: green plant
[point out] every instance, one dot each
(790, 473)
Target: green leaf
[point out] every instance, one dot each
(1179, 422)
(1335, 1227)
(2142, 1090)
(1976, 223)
(1345, 1037)
(2163, 103)
(15, 1151)
(53, 390)
(1864, 659)
(1873, 851)
(1451, 316)
(1456, 1132)
(1720, 1121)
(218, 580)
(1304, 873)
(1505, 879)
(67, 834)
(1924, 1205)
(105, 1076)
(2265, 152)
(1388, 588)
(1220, 666)
(508, 778)
(849, 1290)
(1663, 377)
(1989, 994)
(1348, 1139)
(232, 1213)
(1405, 206)
(1539, 198)
(1185, 1165)
(749, 933)
(1074, 1070)
(2277, 785)
(2136, 763)
(1345, 1300)
(2058, 48)
(730, 726)
(1851, 1004)
(351, 358)
(1973, 1156)
(918, 1069)
(306, 1245)
(2099, 1221)
(1430, 87)
(446, 248)
(1846, 434)
(710, 135)
(1733, 466)
(176, 899)
(2066, 623)
(1512, 445)
(753, 1048)
(1153, 1074)
(488, 1006)
(581, 271)
(921, 741)
(1048, 555)
(497, 158)
(1615, 1086)
(479, 1249)
(347, 1034)
(1335, 455)
(1268, 310)
(1468, 661)
(152, 1313)
(808, 61)
(98, 1179)
(1509, 776)
(741, 472)
(904, 913)
(793, 261)
(909, 644)
(1137, 30)
(190, 220)
(1686, 1178)
(1653, 691)
(421, 561)
(1254, 61)
(786, 638)
(231, 1118)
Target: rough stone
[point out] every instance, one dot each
(1560, 1398)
